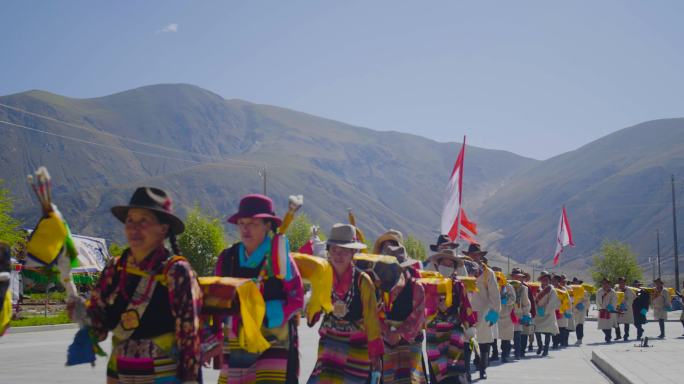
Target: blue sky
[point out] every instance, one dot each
(536, 78)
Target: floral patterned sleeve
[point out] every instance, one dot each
(371, 321)
(465, 310)
(96, 304)
(185, 297)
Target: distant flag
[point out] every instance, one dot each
(564, 236)
(468, 228)
(451, 212)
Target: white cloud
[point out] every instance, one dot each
(173, 27)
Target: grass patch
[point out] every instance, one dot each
(53, 296)
(60, 318)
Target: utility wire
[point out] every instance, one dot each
(140, 142)
(114, 147)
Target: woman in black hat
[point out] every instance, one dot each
(263, 255)
(148, 298)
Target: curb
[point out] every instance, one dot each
(42, 328)
(613, 373)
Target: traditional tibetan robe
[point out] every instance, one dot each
(507, 318)
(564, 314)
(486, 299)
(350, 335)
(606, 301)
(528, 329)
(404, 315)
(626, 314)
(547, 303)
(661, 302)
(579, 309)
(522, 306)
(283, 297)
(446, 342)
(152, 310)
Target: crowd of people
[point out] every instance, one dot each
(383, 307)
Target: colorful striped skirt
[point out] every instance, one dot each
(342, 354)
(148, 361)
(403, 364)
(446, 349)
(278, 364)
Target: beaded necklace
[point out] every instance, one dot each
(137, 298)
(346, 300)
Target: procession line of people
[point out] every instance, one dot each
(376, 311)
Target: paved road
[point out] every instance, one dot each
(33, 357)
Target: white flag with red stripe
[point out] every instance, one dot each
(564, 236)
(452, 199)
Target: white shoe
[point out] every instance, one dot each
(578, 343)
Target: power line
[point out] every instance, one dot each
(140, 142)
(114, 147)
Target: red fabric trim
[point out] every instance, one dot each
(376, 348)
(566, 222)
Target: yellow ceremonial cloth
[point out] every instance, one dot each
(319, 273)
(6, 312)
(371, 257)
(564, 298)
(500, 279)
(252, 312)
(589, 288)
(47, 239)
(444, 287)
(577, 292)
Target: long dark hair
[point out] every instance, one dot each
(171, 236)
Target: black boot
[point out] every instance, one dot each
(607, 333)
(565, 334)
(547, 341)
(640, 331)
(626, 337)
(530, 343)
(484, 360)
(505, 350)
(495, 351)
(523, 345)
(617, 333)
(661, 324)
(556, 340)
(540, 345)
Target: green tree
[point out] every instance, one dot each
(415, 248)
(202, 241)
(9, 226)
(615, 259)
(299, 231)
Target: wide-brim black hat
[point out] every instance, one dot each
(153, 199)
(443, 241)
(474, 249)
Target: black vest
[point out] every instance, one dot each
(403, 304)
(230, 267)
(157, 319)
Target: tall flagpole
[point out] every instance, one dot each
(674, 228)
(658, 241)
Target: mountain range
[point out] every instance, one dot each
(209, 151)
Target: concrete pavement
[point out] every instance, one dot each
(34, 356)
